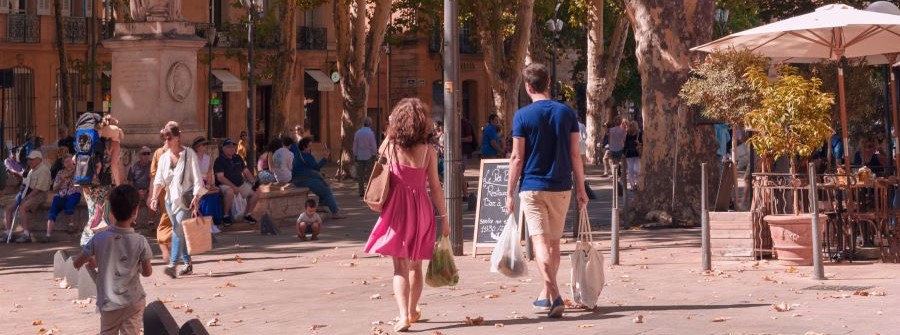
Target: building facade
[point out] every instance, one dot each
(29, 59)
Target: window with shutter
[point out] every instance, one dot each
(66, 7)
(43, 7)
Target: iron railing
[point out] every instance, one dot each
(312, 38)
(75, 30)
(23, 28)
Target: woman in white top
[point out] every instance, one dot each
(178, 172)
(283, 160)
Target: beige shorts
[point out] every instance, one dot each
(245, 190)
(545, 212)
(128, 320)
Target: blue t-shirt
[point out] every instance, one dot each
(547, 128)
(489, 134)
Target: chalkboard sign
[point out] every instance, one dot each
(490, 217)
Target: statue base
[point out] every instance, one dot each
(154, 80)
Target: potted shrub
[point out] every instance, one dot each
(792, 120)
(719, 86)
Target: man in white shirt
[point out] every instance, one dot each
(284, 161)
(364, 148)
(37, 183)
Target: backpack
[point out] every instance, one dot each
(90, 151)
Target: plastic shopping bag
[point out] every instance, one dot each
(238, 206)
(507, 257)
(587, 266)
(442, 269)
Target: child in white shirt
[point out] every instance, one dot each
(309, 222)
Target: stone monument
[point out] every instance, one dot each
(154, 72)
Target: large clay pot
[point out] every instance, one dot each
(792, 237)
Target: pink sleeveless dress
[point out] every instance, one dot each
(406, 226)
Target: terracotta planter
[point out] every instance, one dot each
(792, 237)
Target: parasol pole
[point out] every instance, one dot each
(892, 58)
(839, 54)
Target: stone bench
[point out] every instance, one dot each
(283, 202)
(37, 218)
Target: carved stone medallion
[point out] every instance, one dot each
(179, 81)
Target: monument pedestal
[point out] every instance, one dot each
(154, 80)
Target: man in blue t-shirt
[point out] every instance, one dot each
(490, 140)
(545, 157)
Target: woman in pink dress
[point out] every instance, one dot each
(406, 227)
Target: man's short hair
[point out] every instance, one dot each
(492, 117)
(367, 121)
(123, 200)
(535, 75)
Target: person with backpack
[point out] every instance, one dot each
(97, 142)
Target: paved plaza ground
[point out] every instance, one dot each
(277, 285)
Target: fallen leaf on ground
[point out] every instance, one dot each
(587, 325)
(491, 296)
(861, 293)
(375, 297)
(188, 310)
(721, 319)
(316, 327)
(791, 270)
(878, 293)
(354, 256)
(315, 260)
(165, 300)
(638, 319)
(237, 321)
(279, 280)
(797, 315)
(64, 284)
(217, 295)
(498, 325)
(229, 284)
(474, 322)
(213, 322)
(379, 322)
(237, 258)
(37, 322)
(782, 307)
(379, 331)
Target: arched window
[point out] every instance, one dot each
(17, 102)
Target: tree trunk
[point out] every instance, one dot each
(504, 65)
(674, 146)
(359, 40)
(65, 92)
(602, 71)
(537, 48)
(283, 81)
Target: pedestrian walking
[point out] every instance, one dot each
(405, 230)
(545, 158)
(121, 256)
(364, 148)
(633, 145)
(179, 173)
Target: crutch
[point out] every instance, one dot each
(12, 227)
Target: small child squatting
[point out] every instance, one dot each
(309, 221)
(120, 256)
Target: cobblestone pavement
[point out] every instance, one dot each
(277, 285)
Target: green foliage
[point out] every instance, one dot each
(862, 85)
(793, 117)
(718, 84)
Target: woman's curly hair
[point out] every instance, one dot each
(409, 124)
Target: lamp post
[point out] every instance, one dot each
(554, 25)
(210, 38)
(251, 85)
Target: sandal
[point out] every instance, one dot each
(402, 326)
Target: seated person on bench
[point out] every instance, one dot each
(36, 184)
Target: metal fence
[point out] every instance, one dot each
(23, 28)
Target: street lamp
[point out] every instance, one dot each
(554, 25)
(722, 21)
(251, 85)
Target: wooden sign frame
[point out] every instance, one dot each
(521, 219)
